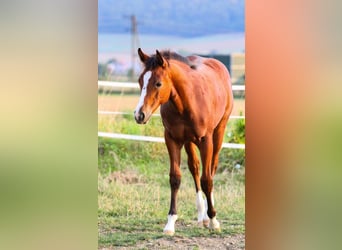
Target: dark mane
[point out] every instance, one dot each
(167, 54)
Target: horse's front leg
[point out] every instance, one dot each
(194, 167)
(174, 149)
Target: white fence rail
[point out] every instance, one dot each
(151, 138)
(157, 139)
(126, 113)
(135, 85)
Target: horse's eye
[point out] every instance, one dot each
(158, 84)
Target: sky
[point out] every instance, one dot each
(190, 18)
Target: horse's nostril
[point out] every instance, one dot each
(141, 116)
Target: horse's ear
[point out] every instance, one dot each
(160, 59)
(143, 57)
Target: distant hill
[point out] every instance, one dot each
(118, 46)
(172, 17)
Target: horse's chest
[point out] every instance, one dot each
(182, 129)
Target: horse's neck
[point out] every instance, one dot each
(178, 92)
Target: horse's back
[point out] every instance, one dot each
(213, 67)
(223, 80)
(218, 81)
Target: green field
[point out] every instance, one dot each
(134, 192)
(127, 102)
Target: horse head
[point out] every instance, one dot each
(155, 85)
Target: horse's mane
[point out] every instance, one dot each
(152, 62)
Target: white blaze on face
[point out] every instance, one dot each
(147, 77)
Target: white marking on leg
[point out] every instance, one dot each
(206, 217)
(212, 198)
(200, 207)
(147, 77)
(170, 226)
(214, 224)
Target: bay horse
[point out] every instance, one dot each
(195, 99)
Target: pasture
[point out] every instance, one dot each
(127, 102)
(134, 192)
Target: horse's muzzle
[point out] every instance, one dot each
(140, 117)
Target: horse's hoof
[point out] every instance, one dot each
(206, 223)
(169, 232)
(214, 225)
(215, 230)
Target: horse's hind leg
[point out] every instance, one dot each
(206, 149)
(217, 143)
(194, 167)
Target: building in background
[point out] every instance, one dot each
(235, 63)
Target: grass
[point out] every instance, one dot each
(120, 151)
(134, 192)
(132, 212)
(133, 204)
(125, 124)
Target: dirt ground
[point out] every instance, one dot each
(235, 242)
